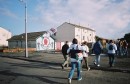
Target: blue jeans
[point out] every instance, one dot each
(97, 59)
(111, 59)
(73, 66)
(125, 51)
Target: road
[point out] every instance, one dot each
(45, 69)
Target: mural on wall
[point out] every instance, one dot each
(44, 42)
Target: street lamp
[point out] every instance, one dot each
(26, 47)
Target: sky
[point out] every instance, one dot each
(109, 18)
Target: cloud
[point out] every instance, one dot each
(107, 17)
(8, 13)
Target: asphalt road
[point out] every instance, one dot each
(44, 68)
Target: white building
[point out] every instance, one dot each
(68, 31)
(4, 35)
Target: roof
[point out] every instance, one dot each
(3, 30)
(79, 26)
(30, 36)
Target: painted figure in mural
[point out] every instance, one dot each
(65, 55)
(75, 52)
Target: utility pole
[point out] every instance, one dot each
(26, 43)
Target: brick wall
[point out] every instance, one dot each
(18, 49)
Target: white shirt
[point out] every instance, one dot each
(85, 50)
(112, 51)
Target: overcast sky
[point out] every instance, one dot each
(109, 18)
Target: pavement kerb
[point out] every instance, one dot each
(92, 67)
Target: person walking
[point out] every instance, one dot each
(97, 48)
(73, 49)
(118, 47)
(65, 55)
(121, 47)
(125, 50)
(111, 52)
(107, 42)
(85, 55)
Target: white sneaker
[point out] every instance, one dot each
(69, 81)
(98, 65)
(88, 68)
(81, 71)
(94, 63)
(80, 79)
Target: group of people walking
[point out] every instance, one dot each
(122, 48)
(111, 48)
(78, 53)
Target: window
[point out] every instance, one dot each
(16, 43)
(83, 37)
(78, 29)
(29, 44)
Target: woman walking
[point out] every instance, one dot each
(75, 48)
(111, 52)
(85, 54)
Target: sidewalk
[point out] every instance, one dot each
(122, 64)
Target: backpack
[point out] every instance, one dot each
(76, 53)
(111, 47)
(97, 49)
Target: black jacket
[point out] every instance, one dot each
(64, 49)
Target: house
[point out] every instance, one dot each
(68, 31)
(4, 35)
(47, 41)
(35, 40)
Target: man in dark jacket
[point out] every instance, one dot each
(64, 52)
(97, 48)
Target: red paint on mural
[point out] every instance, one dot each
(46, 41)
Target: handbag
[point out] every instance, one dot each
(79, 56)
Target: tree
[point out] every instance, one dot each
(97, 37)
(127, 37)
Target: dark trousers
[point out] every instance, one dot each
(85, 59)
(111, 59)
